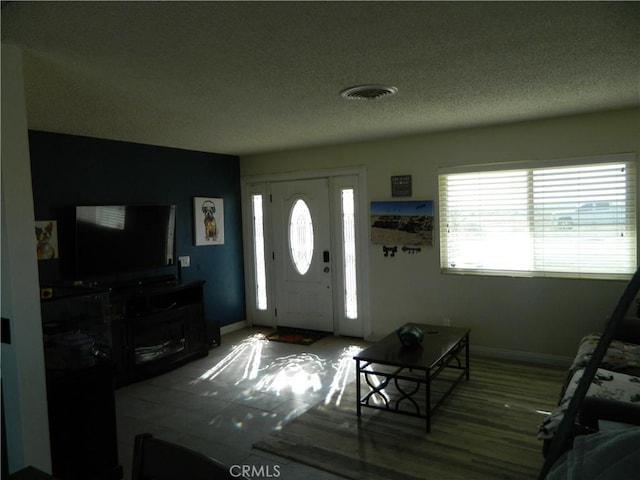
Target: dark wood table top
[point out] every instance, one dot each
(438, 341)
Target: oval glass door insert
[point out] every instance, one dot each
(301, 236)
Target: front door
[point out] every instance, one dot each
(302, 254)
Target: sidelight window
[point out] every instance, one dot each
(349, 253)
(259, 258)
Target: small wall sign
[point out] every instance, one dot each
(401, 186)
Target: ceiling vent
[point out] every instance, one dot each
(368, 92)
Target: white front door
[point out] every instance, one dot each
(302, 254)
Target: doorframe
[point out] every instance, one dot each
(260, 184)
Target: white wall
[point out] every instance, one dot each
(23, 378)
(536, 318)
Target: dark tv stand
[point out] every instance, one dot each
(79, 372)
(156, 327)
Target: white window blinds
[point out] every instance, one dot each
(575, 218)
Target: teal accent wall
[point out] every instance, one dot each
(70, 170)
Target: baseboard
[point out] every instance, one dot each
(531, 357)
(232, 327)
(514, 355)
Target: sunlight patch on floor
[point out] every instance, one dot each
(341, 377)
(248, 351)
(298, 373)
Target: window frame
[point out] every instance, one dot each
(533, 228)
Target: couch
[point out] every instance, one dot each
(611, 454)
(614, 393)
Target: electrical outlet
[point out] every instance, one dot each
(184, 261)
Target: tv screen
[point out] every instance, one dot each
(114, 239)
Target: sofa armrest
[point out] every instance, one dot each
(629, 330)
(595, 408)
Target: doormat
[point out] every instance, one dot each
(298, 336)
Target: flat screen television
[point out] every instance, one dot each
(117, 239)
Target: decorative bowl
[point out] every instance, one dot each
(411, 337)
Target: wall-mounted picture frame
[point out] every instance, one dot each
(401, 185)
(46, 239)
(402, 222)
(208, 221)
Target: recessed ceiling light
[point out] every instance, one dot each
(368, 92)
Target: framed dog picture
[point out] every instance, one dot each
(47, 239)
(208, 219)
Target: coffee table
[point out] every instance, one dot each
(395, 374)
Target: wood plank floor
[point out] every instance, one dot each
(485, 430)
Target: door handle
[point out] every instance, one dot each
(325, 256)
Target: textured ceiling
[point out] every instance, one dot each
(249, 77)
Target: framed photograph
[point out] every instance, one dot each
(47, 239)
(208, 220)
(402, 223)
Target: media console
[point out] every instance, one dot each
(102, 337)
(79, 375)
(156, 327)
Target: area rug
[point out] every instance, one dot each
(485, 430)
(296, 335)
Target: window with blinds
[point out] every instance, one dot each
(575, 218)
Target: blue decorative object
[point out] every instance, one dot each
(411, 337)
